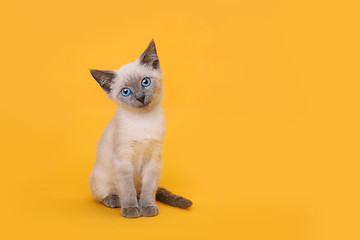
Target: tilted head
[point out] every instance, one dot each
(136, 85)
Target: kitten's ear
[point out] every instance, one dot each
(104, 78)
(149, 57)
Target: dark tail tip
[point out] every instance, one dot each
(167, 197)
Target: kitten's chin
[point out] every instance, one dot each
(141, 108)
(145, 106)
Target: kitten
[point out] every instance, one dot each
(128, 158)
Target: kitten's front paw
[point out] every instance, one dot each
(149, 211)
(130, 212)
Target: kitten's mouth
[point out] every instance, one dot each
(145, 105)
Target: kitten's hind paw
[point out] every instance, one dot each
(149, 211)
(112, 201)
(130, 212)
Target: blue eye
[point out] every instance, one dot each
(125, 92)
(146, 82)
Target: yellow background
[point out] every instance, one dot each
(262, 107)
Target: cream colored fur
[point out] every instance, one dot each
(130, 143)
(128, 157)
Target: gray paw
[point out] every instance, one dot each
(112, 201)
(149, 211)
(130, 212)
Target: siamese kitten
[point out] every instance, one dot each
(128, 157)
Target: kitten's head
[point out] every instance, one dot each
(136, 85)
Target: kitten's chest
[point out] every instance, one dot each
(141, 127)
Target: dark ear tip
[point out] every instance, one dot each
(93, 72)
(152, 43)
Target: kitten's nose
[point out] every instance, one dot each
(141, 99)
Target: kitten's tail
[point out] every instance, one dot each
(167, 197)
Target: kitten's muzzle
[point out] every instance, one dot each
(141, 99)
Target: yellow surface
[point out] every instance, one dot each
(262, 106)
